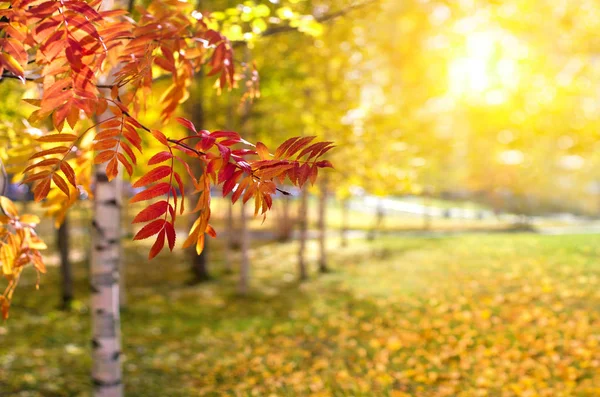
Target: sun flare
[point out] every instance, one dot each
(486, 67)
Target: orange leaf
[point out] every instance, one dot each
(112, 169)
(211, 231)
(262, 151)
(43, 163)
(54, 150)
(61, 184)
(41, 190)
(57, 138)
(123, 160)
(160, 137)
(69, 172)
(104, 156)
(36, 177)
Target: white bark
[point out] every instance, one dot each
(104, 273)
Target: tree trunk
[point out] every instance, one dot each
(426, 214)
(379, 215)
(62, 243)
(302, 216)
(125, 213)
(229, 236)
(104, 273)
(284, 228)
(243, 285)
(344, 227)
(199, 262)
(200, 265)
(323, 227)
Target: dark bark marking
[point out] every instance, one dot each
(100, 383)
(103, 279)
(105, 326)
(111, 202)
(101, 177)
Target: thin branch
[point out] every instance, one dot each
(12, 76)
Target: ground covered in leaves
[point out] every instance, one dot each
(498, 314)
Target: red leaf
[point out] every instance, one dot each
(324, 164)
(152, 212)
(299, 145)
(170, 235)
(153, 191)
(150, 229)
(230, 183)
(159, 158)
(158, 244)
(186, 123)
(230, 135)
(284, 146)
(303, 174)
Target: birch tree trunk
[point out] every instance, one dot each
(244, 282)
(323, 226)
(104, 270)
(62, 243)
(104, 273)
(302, 216)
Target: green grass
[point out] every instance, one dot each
(500, 315)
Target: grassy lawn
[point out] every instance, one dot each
(501, 315)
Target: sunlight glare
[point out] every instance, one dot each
(486, 68)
